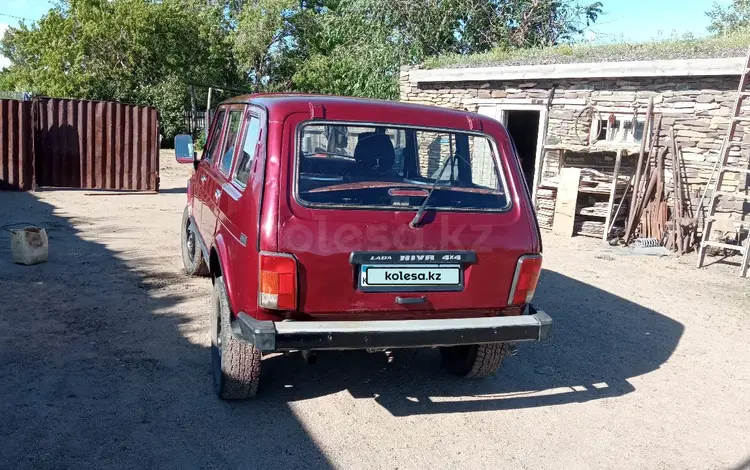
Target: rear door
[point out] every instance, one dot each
(340, 225)
(239, 209)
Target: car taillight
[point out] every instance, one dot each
(277, 281)
(524, 282)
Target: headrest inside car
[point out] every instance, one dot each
(374, 152)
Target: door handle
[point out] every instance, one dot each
(203, 178)
(217, 193)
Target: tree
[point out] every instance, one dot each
(734, 16)
(146, 51)
(344, 52)
(355, 47)
(434, 27)
(126, 50)
(262, 38)
(361, 43)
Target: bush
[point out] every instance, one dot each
(200, 143)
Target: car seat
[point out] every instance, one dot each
(374, 153)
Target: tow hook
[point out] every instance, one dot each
(309, 356)
(511, 349)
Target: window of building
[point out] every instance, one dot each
(617, 128)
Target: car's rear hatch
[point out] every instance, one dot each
(364, 260)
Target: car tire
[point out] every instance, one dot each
(474, 361)
(192, 255)
(235, 363)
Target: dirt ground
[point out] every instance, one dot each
(104, 363)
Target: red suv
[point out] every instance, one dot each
(341, 223)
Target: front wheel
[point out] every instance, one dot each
(235, 363)
(192, 255)
(473, 361)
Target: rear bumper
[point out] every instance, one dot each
(269, 336)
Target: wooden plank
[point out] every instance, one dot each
(567, 198)
(612, 192)
(539, 154)
(636, 183)
(619, 206)
(677, 190)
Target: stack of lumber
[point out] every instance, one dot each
(595, 181)
(545, 202)
(590, 228)
(595, 228)
(593, 208)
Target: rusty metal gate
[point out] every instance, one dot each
(78, 144)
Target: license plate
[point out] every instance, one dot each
(393, 277)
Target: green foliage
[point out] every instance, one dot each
(260, 40)
(355, 47)
(731, 18)
(169, 96)
(200, 143)
(348, 54)
(354, 70)
(125, 50)
(146, 51)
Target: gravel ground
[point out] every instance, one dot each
(104, 363)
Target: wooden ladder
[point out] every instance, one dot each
(723, 168)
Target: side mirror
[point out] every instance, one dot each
(183, 149)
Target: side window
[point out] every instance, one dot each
(213, 145)
(230, 140)
(247, 156)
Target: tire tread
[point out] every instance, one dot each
(475, 361)
(240, 361)
(197, 267)
(487, 361)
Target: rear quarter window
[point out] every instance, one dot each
(249, 146)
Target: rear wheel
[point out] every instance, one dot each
(473, 361)
(235, 363)
(192, 256)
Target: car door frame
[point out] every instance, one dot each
(240, 206)
(200, 195)
(216, 179)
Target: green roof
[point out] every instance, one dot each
(729, 45)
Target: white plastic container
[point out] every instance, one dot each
(29, 245)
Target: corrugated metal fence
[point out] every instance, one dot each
(16, 161)
(78, 144)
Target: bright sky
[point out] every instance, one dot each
(642, 20)
(631, 20)
(11, 11)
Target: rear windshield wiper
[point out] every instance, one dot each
(418, 217)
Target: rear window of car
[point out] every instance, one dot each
(353, 165)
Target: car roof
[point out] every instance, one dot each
(345, 107)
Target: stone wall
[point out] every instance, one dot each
(697, 108)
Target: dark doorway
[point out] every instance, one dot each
(523, 127)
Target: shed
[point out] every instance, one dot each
(563, 112)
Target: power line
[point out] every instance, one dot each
(16, 17)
